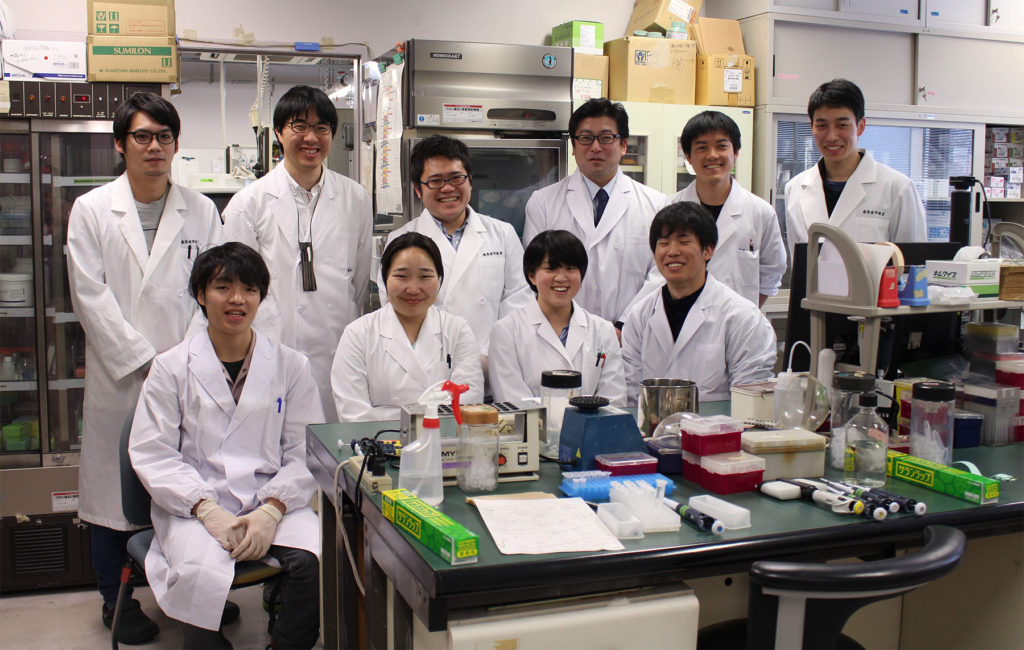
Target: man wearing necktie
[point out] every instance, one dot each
(608, 211)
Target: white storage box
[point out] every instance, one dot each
(791, 453)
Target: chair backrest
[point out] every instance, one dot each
(134, 497)
(800, 604)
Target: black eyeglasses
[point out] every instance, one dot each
(438, 183)
(300, 127)
(142, 136)
(603, 138)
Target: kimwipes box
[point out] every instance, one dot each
(660, 70)
(589, 77)
(658, 15)
(131, 17)
(449, 539)
(981, 276)
(725, 80)
(120, 58)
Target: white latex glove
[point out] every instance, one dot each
(220, 523)
(260, 526)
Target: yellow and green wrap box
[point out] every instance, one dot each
(438, 532)
(942, 478)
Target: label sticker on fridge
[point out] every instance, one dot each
(64, 501)
(431, 119)
(732, 80)
(463, 113)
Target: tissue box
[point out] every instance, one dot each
(37, 60)
(586, 37)
(982, 276)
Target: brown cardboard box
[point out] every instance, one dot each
(658, 70)
(725, 80)
(718, 36)
(131, 17)
(120, 58)
(657, 15)
(589, 77)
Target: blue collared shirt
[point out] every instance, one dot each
(454, 238)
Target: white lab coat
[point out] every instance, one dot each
(483, 280)
(132, 304)
(750, 257)
(877, 204)
(620, 266)
(725, 340)
(190, 442)
(264, 216)
(525, 345)
(376, 370)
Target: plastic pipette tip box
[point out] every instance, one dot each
(732, 472)
(668, 454)
(597, 488)
(713, 434)
(627, 463)
(732, 516)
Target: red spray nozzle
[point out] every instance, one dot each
(456, 390)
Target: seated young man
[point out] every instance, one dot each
(695, 327)
(219, 442)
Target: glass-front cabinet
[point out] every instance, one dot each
(46, 165)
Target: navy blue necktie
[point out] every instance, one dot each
(600, 203)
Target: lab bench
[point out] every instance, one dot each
(426, 587)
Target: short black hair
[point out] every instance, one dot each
(158, 108)
(684, 218)
(297, 102)
(709, 122)
(559, 248)
(838, 93)
(231, 261)
(411, 240)
(600, 107)
(437, 146)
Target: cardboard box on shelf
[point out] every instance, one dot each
(995, 192)
(587, 37)
(119, 58)
(56, 60)
(1012, 191)
(131, 17)
(651, 70)
(718, 36)
(589, 77)
(1015, 174)
(657, 15)
(725, 80)
(994, 181)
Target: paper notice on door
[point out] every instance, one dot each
(388, 155)
(64, 501)
(733, 80)
(454, 114)
(538, 526)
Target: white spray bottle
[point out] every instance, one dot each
(420, 468)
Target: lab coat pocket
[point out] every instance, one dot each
(747, 271)
(707, 367)
(871, 229)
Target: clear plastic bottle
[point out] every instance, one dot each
(867, 441)
(846, 389)
(477, 449)
(931, 421)
(556, 388)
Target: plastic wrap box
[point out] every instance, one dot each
(941, 478)
(435, 530)
(790, 453)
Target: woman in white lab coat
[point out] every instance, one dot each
(219, 444)
(553, 332)
(388, 358)
(723, 339)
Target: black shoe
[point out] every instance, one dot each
(231, 613)
(197, 637)
(135, 627)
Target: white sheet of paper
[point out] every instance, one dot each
(537, 526)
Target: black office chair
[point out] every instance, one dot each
(806, 605)
(135, 504)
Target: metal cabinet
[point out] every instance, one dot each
(978, 76)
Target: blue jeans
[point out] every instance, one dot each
(109, 552)
(298, 624)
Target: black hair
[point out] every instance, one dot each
(158, 108)
(709, 122)
(838, 93)
(600, 107)
(231, 261)
(437, 146)
(411, 240)
(684, 218)
(559, 248)
(297, 102)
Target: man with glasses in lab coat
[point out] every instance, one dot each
(313, 227)
(131, 246)
(608, 211)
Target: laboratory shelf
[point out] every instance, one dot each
(15, 240)
(81, 181)
(632, 168)
(15, 178)
(61, 316)
(17, 386)
(17, 312)
(1006, 200)
(906, 310)
(65, 384)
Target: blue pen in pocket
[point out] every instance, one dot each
(279, 402)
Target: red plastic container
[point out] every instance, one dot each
(626, 463)
(731, 472)
(691, 468)
(716, 434)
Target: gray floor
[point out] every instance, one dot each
(71, 620)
